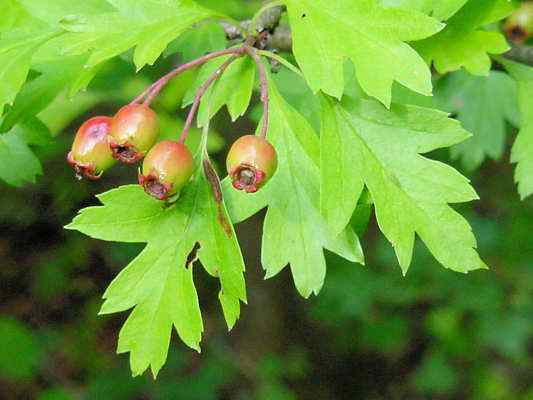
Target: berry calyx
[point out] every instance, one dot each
(90, 154)
(134, 131)
(519, 25)
(166, 169)
(251, 162)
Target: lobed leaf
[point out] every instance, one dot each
(363, 144)
(158, 284)
(371, 35)
(149, 26)
(294, 232)
(462, 43)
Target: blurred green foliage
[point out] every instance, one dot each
(371, 334)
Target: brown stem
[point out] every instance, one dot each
(252, 52)
(201, 91)
(153, 90)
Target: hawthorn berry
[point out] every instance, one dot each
(166, 169)
(519, 25)
(134, 131)
(90, 154)
(251, 162)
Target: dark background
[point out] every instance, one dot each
(370, 334)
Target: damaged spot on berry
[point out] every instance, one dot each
(167, 168)
(251, 163)
(90, 154)
(126, 153)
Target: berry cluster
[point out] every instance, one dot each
(132, 133)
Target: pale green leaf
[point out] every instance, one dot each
(483, 105)
(363, 144)
(463, 43)
(326, 32)
(294, 232)
(158, 284)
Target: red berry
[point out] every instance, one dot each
(251, 162)
(90, 154)
(133, 132)
(167, 168)
(519, 25)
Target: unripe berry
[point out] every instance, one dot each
(519, 25)
(166, 169)
(133, 132)
(251, 162)
(90, 154)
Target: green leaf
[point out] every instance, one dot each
(15, 60)
(522, 152)
(19, 165)
(462, 43)
(294, 232)
(233, 89)
(363, 144)
(38, 93)
(326, 32)
(158, 284)
(483, 105)
(148, 25)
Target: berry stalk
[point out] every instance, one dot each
(153, 90)
(252, 52)
(200, 93)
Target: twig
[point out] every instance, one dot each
(252, 52)
(201, 91)
(523, 54)
(153, 90)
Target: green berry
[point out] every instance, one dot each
(166, 169)
(251, 162)
(90, 154)
(133, 132)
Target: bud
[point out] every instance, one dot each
(133, 132)
(166, 169)
(519, 25)
(90, 154)
(251, 162)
